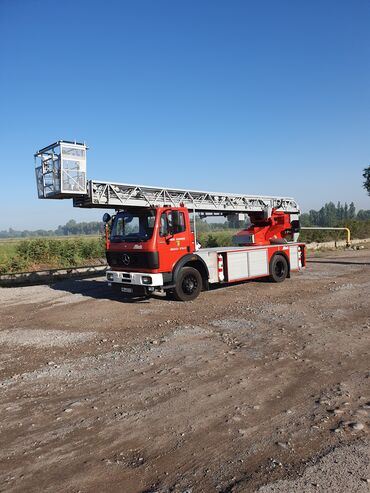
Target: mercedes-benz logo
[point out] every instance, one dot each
(126, 259)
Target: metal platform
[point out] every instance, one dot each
(61, 170)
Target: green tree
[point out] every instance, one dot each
(366, 175)
(351, 211)
(363, 215)
(305, 219)
(345, 214)
(314, 217)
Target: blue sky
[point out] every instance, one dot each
(260, 96)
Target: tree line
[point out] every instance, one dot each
(332, 215)
(329, 215)
(72, 227)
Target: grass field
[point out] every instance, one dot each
(7, 249)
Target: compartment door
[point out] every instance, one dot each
(237, 266)
(258, 263)
(293, 252)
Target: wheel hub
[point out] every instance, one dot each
(189, 284)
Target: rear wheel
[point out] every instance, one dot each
(278, 268)
(188, 284)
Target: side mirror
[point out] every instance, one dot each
(169, 235)
(296, 227)
(106, 217)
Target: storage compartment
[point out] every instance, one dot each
(258, 263)
(237, 266)
(293, 251)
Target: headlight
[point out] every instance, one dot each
(110, 276)
(146, 279)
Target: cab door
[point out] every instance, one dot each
(174, 238)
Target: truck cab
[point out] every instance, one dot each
(146, 246)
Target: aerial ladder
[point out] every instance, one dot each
(152, 243)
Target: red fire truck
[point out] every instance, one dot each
(151, 240)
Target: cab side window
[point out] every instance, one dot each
(163, 229)
(172, 223)
(176, 220)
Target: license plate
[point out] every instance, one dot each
(126, 290)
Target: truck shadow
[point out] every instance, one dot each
(93, 288)
(99, 289)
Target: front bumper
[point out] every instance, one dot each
(138, 283)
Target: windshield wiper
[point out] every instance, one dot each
(134, 240)
(116, 238)
(130, 239)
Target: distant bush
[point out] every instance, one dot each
(63, 252)
(13, 264)
(53, 253)
(359, 229)
(216, 239)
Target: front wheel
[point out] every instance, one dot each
(188, 284)
(278, 268)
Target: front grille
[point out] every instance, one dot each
(133, 260)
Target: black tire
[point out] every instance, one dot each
(278, 268)
(188, 284)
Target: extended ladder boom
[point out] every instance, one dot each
(61, 173)
(102, 194)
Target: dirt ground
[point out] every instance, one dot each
(255, 387)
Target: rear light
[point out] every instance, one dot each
(220, 264)
(300, 257)
(110, 276)
(146, 279)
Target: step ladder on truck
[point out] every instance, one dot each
(151, 240)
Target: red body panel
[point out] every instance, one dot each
(275, 227)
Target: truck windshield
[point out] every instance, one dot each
(133, 226)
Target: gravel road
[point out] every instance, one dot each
(255, 387)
